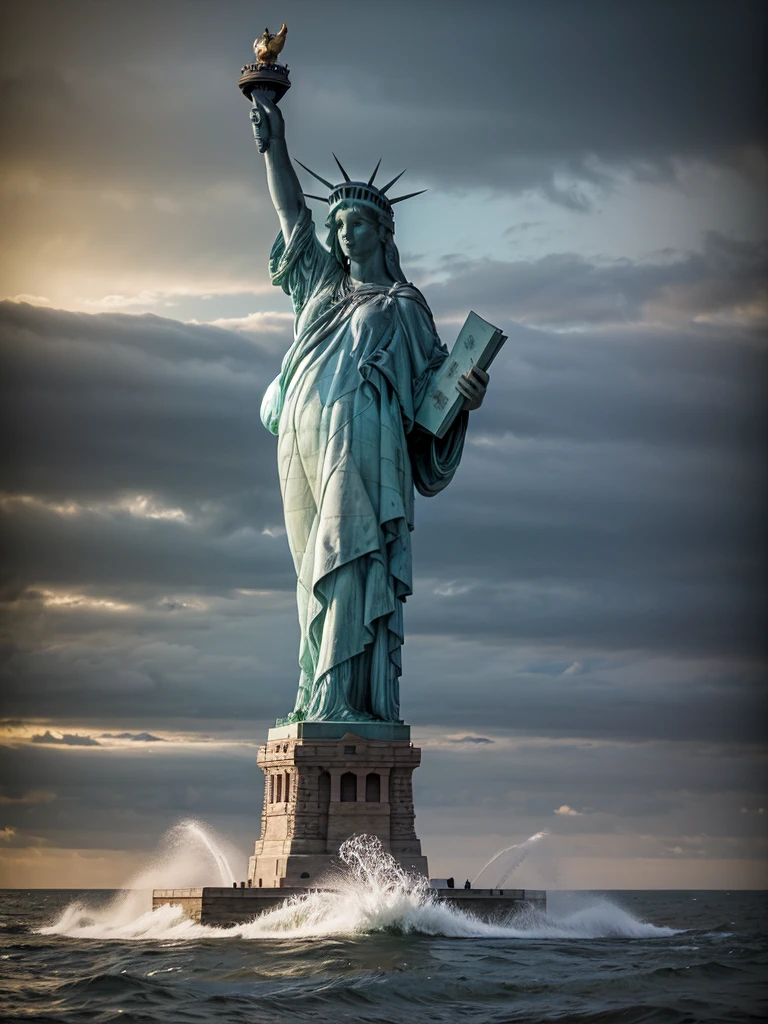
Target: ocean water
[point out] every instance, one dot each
(378, 949)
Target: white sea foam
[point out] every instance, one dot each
(372, 894)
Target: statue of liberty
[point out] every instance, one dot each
(349, 450)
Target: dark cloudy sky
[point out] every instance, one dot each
(585, 647)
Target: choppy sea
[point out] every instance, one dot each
(386, 956)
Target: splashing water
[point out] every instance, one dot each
(198, 832)
(505, 862)
(372, 893)
(188, 855)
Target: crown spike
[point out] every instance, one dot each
(409, 196)
(370, 180)
(346, 176)
(327, 183)
(391, 183)
(308, 195)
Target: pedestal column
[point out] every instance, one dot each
(300, 836)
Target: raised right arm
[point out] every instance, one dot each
(284, 187)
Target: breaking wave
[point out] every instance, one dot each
(372, 893)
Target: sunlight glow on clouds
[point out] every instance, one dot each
(65, 600)
(87, 738)
(567, 812)
(141, 506)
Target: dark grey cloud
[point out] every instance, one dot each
(552, 84)
(166, 389)
(68, 739)
(136, 737)
(656, 778)
(725, 279)
(609, 495)
(113, 800)
(604, 525)
(628, 695)
(470, 739)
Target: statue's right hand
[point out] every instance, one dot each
(266, 119)
(260, 125)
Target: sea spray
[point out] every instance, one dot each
(191, 831)
(371, 893)
(189, 854)
(501, 865)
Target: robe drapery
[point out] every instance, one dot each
(343, 409)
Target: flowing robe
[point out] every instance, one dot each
(343, 409)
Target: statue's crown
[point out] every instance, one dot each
(360, 191)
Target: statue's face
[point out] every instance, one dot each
(358, 234)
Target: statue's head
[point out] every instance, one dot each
(360, 216)
(356, 229)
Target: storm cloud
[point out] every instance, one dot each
(585, 646)
(684, 80)
(141, 145)
(145, 507)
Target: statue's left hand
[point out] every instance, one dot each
(473, 386)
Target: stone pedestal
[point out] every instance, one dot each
(325, 782)
(224, 908)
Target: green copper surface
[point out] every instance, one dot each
(349, 452)
(388, 731)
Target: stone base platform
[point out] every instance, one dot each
(325, 782)
(227, 907)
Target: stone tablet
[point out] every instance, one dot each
(477, 344)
